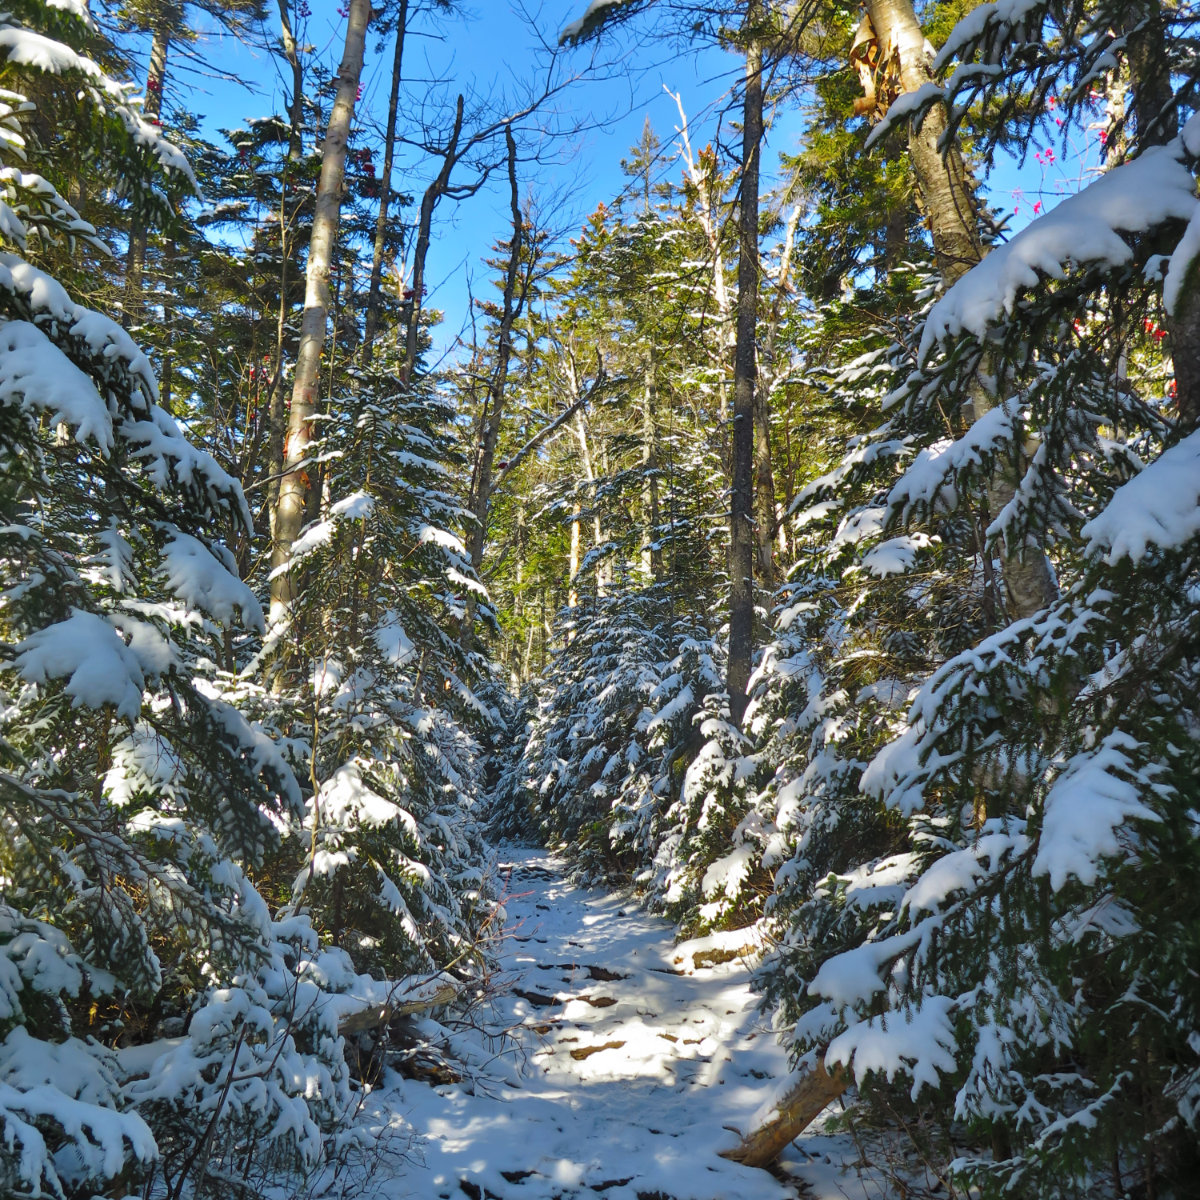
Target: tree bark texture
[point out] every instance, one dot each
(277, 416)
(946, 185)
(589, 473)
(795, 1111)
(296, 101)
(741, 512)
(948, 191)
(1156, 121)
(764, 490)
(498, 380)
(707, 212)
(295, 485)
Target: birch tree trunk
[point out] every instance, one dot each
(589, 473)
(946, 186)
(276, 415)
(295, 485)
(741, 514)
(296, 102)
(573, 563)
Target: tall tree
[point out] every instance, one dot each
(296, 484)
(745, 372)
(948, 190)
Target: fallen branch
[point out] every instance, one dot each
(381, 1014)
(794, 1111)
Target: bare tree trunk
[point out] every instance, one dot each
(521, 660)
(296, 103)
(946, 185)
(277, 419)
(948, 191)
(741, 515)
(276, 416)
(375, 288)
(573, 566)
(764, 490)
(766, 511)
(589, 473)
(295, 485)
(481, 497)
(166, 22)
(433, 193)
(708, 205)
(652, 562)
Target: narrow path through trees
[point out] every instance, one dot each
(629, 1063)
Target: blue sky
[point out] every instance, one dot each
(490, 50)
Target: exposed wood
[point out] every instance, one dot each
(587, 1051)
(795, 1110)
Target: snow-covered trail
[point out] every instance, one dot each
(631, 1061)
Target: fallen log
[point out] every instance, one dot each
(791, 1114)
(381, 1014)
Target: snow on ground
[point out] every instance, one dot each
(632, 1062)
